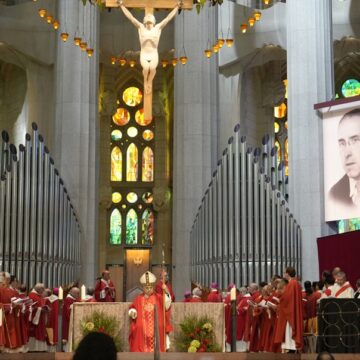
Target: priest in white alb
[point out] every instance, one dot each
(342, 289)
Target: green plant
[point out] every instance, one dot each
(100, 322)
(197, 335)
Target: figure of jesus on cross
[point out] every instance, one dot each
(149, 36)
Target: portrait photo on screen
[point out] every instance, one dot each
(341, 137)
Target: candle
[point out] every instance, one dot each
(83, 292)
(61, 293)
(233, 294)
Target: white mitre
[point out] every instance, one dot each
(148, 278)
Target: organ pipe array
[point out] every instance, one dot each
(244, 231)
(39, 230)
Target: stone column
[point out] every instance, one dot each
(310, 75)
(195, 133)
(76, 124)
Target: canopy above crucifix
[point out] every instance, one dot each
(155, 4)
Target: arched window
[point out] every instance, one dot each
(147, 165)
(350, 88)
(147, 227)
(132, 163)
(115, 227)
(131, 227)
(116, 164)
(132, 171)
(277, 144)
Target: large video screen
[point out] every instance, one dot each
(341, 138)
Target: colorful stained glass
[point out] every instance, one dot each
(286, 157)
(132, 163)
(276, 127)
(277, 144)
(350, 88)
(286, 88)
(116, 197)
(116, 135)
(131, 197)
(116, 164)
(286, 125)
(132, 131)
(132, 96)
(140, 118)
(147, 197)
(131, 227)
(348, 225)
(147, 165)
(115, 227)
(147, 227)
(280, 111)
(148, 135)
(121, 117)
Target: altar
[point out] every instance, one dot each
(119, 311)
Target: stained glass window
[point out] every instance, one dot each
(132, 96)
(276, 127)
(277, 144)
(115, 227)
(147, 227)
(148, 135)
(132, 131)
(280, 111)
(131, 227)
(121, 117)
(116, 135)
(286, 157)
(116, 164)
(350, 88)
(132, 163)
(140, 118)
(148, 165)
(348, 225)
(132, 197)
(147, 197)
(116, 197)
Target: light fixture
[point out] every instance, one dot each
(164, 63)
(89, 52)
(83, 45)
(183, 60)
(122, 61)
(266, 2)
(174, 61)
(208, 53)
(215, 48)
(229, 42)
(243, 28)
(77, 40)
(64, 36)
(42, 13)
(221, 42)
(56, 24)
(257, 15)
(113, 60)
(251, 21)
(49, 19)
(132, 63)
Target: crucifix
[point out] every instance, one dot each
(149, 36)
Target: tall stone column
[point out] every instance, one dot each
(76, 124)
(310, 75)
(195, 132)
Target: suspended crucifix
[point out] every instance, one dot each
(149, 36)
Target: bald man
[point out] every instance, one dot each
(346, 192)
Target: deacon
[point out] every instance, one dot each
(342, 289)
(142, 313)
(104, 288)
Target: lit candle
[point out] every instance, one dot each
(83, 292)
(61, 293)
(233, 294)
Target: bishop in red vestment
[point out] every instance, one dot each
(214, 295)
(104, 288)
(142, 314)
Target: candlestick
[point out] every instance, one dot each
(233, 293)
(83, 292)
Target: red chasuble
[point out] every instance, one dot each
(214, 297)
(142, 335)
(290, 310)
(38, 317)
(104, 291)
(53, 319)
(158, 289)
(69, 300)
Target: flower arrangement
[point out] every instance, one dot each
(197, 335)
(100, 322)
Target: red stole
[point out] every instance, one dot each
(158, 289)
(142, 336)
(342, 289)
(214, 297)
(107, 287)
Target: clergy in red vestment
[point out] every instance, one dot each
(165, 279)
(196, 295)
(214, 295)
(104, 288)
(290, 327)
(72, 297)
(52, 301)
(187, 296)
(38, 319)
(142, 314)
(342, 289)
